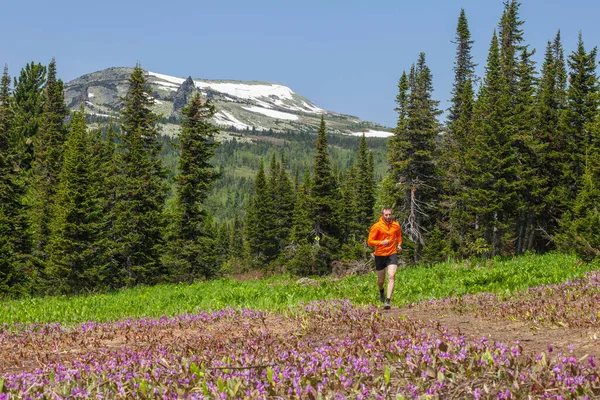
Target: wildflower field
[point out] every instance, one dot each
(500, 332)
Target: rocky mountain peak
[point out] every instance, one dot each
(183, 94)
(242, 107)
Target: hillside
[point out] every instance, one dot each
(242, 106)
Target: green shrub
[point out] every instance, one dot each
(310, 259)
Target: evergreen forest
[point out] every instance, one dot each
(511, 168)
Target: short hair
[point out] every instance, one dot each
(386, 208)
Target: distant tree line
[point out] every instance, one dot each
(238, 162)
(514, 168)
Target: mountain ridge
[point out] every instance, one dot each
(242, 106)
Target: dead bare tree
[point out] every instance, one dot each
(414, 211)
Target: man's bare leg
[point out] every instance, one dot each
(391, 274)
(380, 278)
(380, 282)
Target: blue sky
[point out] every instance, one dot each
(344, 56)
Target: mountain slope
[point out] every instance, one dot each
(242, 106)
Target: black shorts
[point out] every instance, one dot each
(381, 262)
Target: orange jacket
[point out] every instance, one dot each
(381, 231)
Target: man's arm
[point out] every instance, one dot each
(371, 241)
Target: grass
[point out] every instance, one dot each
(413, 284)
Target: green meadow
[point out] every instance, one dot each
(278, 293)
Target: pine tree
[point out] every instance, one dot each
(581, 226)
(396, 146)
(77, 241)
(196, 174)
(457, 140)
(415, 174)
(527, 147)
(236, 237)
(141, 188)
(371, 168)
(108, 160)
(14, 241)
(285, 197)
(457, 157)
(349, 206)
(580, 223)
(302, 224)
(274, 169)
(221, 245)
(28, 98)
(464, 68)
(518, 72)
(357, 191)
(296, 179)
(365, 189)
(491, 192)
(307, 254)
(275, 194)
(48, 154)
(550, 108)
(261, 244)
(581, 109)
(511, 37)
(323, 191)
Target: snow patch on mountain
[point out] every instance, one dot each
(372, 133)
(312, 107)
(172, 79)
(263, 104)
(272, 113)
(264, 95)
(246, 91)
(226, 119)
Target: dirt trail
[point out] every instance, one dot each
(585, 341)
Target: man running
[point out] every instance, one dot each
(386, 236)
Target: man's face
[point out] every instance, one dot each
(387, 216)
